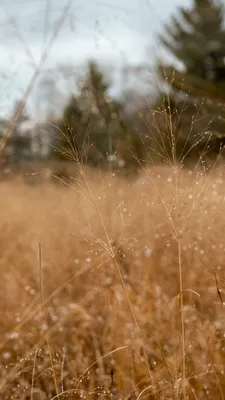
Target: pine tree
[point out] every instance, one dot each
(196, 33)
(94, 125)
(196, 39)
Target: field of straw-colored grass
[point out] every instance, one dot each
(93, 277)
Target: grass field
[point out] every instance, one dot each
(112, 288)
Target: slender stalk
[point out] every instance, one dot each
(182, 319)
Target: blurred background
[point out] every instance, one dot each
(111, 33)
(112, 84)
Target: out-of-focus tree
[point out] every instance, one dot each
(95, 127)
(17, 146)
(195, 93)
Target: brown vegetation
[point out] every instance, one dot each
(90, 289)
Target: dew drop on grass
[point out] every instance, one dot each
(54, 317)
(148, 252)
(6, 355)
(44, 327)
(13, 335)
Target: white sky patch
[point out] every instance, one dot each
(122, 33)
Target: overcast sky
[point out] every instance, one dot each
(118, 32)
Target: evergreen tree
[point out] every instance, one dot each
(95, 127)
(196, 38)
(196, 33)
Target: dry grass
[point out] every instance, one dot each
(90, 288)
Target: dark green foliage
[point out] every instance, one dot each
(196, 99)
(195, 33)
(95, 127)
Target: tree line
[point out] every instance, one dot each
(185, 124)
